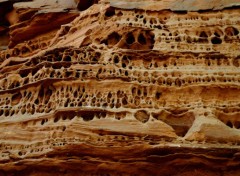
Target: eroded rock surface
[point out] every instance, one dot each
(99, 89)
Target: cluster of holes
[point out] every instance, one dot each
(24, 102)
(49, 98)
(23, 150)
(72, 96)
(83, 98)
(230, 122)
(213, 36)
(224, 114)
(40, 68)
(103, 73)
(67, 97)
(235, 124)
(138, 40)
(64, 30)
(206, 38)
(82, 55)
(163, 62)
(88, 115)
(104, 137)
(77, 96)
(140, 96)
(139, 18)
(56, 64)
(174, 118)
(34, 148)
(191, 80)
(125, 62)
(24, 49)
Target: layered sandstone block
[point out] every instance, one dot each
(121, 88)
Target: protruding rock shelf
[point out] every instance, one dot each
(120, 88)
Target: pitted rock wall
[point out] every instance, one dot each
(121, 92)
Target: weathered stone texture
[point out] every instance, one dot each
(121, 88)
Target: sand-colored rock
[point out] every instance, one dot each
(175, 5)
(117, 88)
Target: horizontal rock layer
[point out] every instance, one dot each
(175, 5)
(121, 92)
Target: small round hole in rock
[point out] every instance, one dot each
(110, 12)
(216, 40)
(88, 116)
(237, 124)
(113, 38)
(141, 39)
(231, 31)
(43, 121)
(142, 116)
(130, 39)
(6, 112)
(67, 58)
(158, 95)
(116, 60)
(20, 153)
(56, 119)
(229, 124)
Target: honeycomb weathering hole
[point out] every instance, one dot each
(137, 40)
(16, 98)
(142, 116)
(216, 40)
(113, 38)
(231, 31)
(130, 39)
(110, 12)
(180, 121)
(85, 4)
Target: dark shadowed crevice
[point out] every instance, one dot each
(85, 4)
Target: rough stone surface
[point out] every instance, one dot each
(175, 5)
(120, 88)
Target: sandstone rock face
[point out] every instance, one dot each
(175, 5)
(120, 88)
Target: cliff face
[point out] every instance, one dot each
(120, 88)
